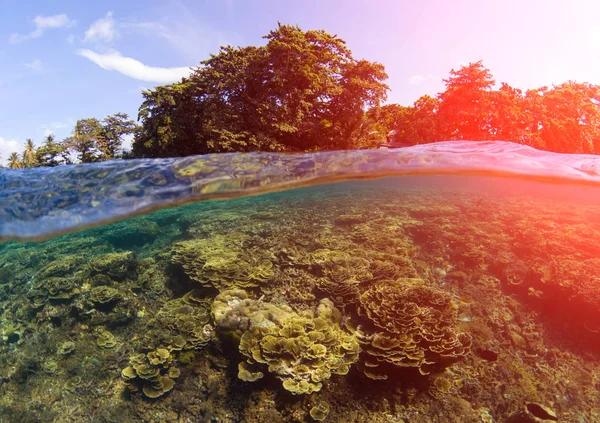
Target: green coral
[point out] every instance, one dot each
(115, 265)
(66, 348)
(320, 411)
(223, 262)
(302, 350)
(183, 323)
(105, 339)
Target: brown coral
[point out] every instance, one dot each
(408, 325)
(222, 262)
(153, 371)
(182, 324)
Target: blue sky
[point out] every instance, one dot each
(64, 60)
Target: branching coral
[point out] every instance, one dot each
(302, 350)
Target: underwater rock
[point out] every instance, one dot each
(533, 413)
(302, 350)
(408, 324)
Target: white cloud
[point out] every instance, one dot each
(58, 128)
(7, 147)
(70, 39)
(104, 29)
(113, 60)
(422, 79)
(35, 66)
(416, 79)
(42, 23)
(190, 37)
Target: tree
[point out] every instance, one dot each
(418, 124)
(95, 141)
(52, 153)
(567, 117)
(301, 91)
(465, 106)
(29, 159)
(14, 162)
(114, 128)
(85, 140)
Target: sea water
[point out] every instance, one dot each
(463, 289)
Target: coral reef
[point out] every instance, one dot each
(303, 351)
(186, 323)
(315, 296)
(223, 262)
(114, 265)
(153, 371)
(412, 325)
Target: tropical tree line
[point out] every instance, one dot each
(304, 91)
(91, 141)
(564, 118)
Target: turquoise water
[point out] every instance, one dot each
(468, 296)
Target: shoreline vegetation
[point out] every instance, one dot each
(303, 91)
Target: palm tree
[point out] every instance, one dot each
(29, 159)
(14, 162)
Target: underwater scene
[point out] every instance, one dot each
(436, 283)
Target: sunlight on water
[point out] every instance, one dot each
(41, 202)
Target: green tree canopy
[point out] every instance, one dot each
(563, 118)
(14, 162)
(29, 158)
(51, 153)
(301, 91)
(94, 141)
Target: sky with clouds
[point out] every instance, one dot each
(65, 60)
